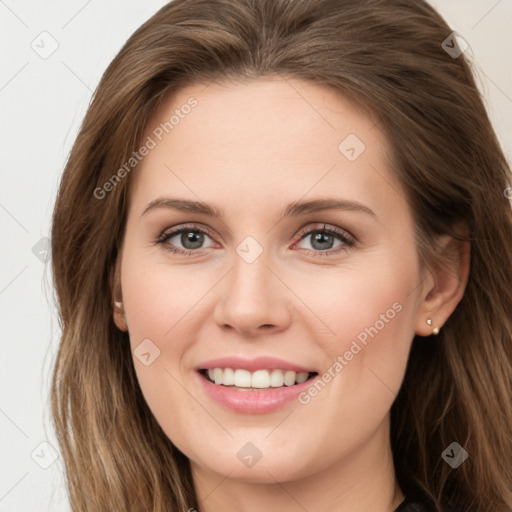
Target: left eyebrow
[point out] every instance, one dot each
(315, 205)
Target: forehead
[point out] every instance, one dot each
(271, 136)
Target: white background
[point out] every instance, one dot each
(42, 104)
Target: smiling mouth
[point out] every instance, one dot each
(259, 380)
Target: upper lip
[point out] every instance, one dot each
(257, 363)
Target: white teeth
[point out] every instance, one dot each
(289, 378)
(228, 377)
(301, 377)
(276, 379)
(217, 375)
(260, 379)
(242, 378)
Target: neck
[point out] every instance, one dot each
(362, 480)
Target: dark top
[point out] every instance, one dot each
(409, 505)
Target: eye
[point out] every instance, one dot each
(190, 237)
(322, 240)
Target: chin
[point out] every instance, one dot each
(267, 470)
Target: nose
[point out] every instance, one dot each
(253, 301)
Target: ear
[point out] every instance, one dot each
(117, 297)
(444, 285)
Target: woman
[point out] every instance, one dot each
(282, 252)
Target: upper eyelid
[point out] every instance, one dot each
(175, 230)
(326, 227)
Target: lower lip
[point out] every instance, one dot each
(253, 402)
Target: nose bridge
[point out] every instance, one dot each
(251, 278)
(253, 297)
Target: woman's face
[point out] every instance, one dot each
(310, 266)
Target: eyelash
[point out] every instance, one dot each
(343, 236)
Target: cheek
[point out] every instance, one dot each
(370, 314)
(362, 312)
(162, 304)
(159, 299)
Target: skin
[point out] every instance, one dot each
(250, 148)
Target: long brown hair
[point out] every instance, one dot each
(388, 56)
